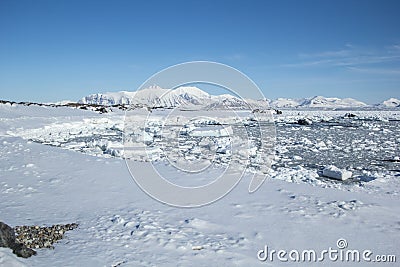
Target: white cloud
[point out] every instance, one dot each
(352, 56)
(338, 53)
(376, 70)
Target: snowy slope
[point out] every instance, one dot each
(332, 102)
(192, 94)
(318, 102)
(285, 103)
(186, 96)
(111, 98)
(152, 96)
(391, 103)
(181, 96)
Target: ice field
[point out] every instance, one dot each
(63, 165)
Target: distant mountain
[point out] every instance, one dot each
(156, 96)
(390, 103)
(108, 99)
(286, 103)
(332, 102)
(317, 102)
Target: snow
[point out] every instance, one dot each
(7, 258)
(110, 98)
(152, 96)
(190, 96)
(285, 103)
(57, 166)
(318, 102)
(391, 102)
(336, 173)
(332, 102)
(189, 92)
(204, 131)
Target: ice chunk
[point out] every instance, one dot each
(208, 131)
(336, 173)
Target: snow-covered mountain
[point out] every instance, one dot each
(158, 97)
(286, 103)
(390, 103)
(332, 102)
(152, 96)
(229, 101)
(108, 99)
(190, 96)
(317, 102)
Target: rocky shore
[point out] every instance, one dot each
(42, 237)
(23, 239)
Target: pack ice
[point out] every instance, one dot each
(62, 165)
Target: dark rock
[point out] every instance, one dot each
(7, 235)
(349, 115)
(7, 239)
(22, 251)
(101, 110)
(304, 122)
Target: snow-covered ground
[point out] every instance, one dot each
(62, 165)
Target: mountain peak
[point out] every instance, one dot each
(332, 102)
(391, 103)
(152, 96)
(155, 96)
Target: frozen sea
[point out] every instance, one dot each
(63, 165)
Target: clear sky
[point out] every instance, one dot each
(55, 50)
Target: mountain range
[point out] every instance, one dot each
(191, 97)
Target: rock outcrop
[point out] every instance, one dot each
(7, 239)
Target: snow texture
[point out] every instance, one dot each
(336, 173)
(63, 165)
(190, 97)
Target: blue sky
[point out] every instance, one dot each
(55, 50)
